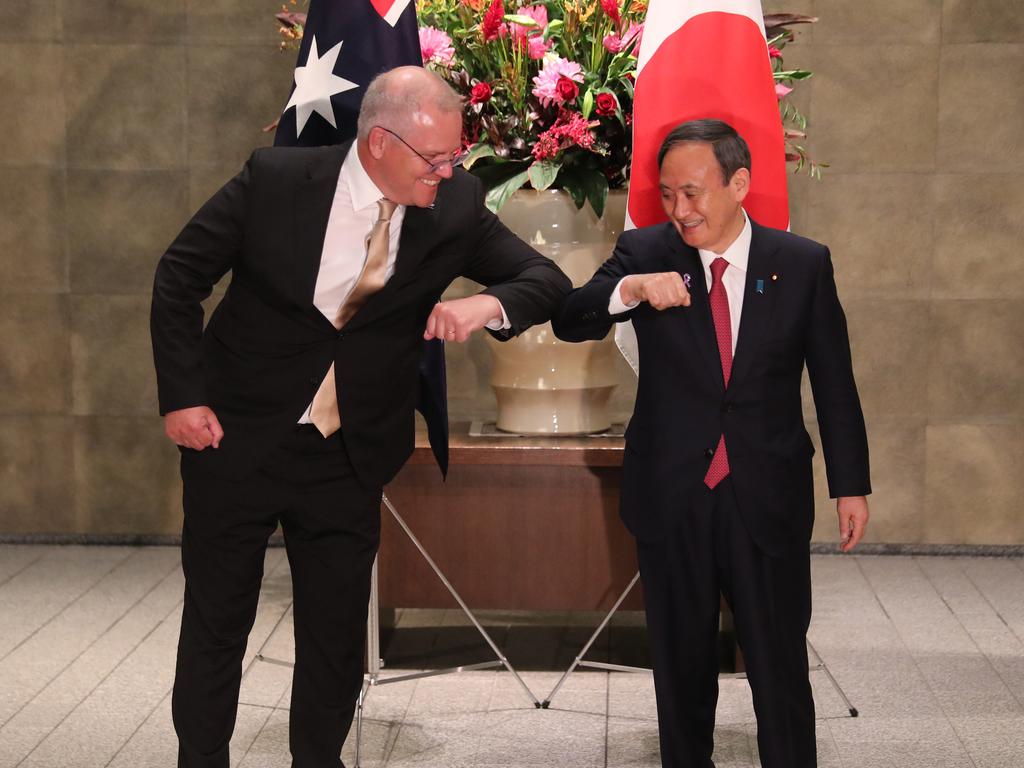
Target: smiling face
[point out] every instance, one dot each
(705, 210)
(403, 175)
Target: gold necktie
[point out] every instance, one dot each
(324, 411)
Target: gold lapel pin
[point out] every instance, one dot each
(774, 277)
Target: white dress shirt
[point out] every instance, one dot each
(354, 211)
(734, 278)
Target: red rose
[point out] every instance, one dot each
(481, 92)
(774, 52)
(567, 90)
(606, 104)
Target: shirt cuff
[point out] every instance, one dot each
(500, 325)
(616, 306)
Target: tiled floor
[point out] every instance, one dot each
(931, 651)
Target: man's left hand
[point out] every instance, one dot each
(455, 320)
(853, 520)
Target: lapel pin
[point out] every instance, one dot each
(774, 277)
(759, 287)
(687, 280)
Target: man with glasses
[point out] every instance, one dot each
(295, 405)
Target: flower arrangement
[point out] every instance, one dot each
(548, 88)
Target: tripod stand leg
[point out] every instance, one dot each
(824, 668)
(579, 657)
(465, 609)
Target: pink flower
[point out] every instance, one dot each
(633, 35)
(539, 13)
(546, 82)
(782, 91)
(774, 52)
(531, 38)
(611, 7)
(537, 48)
(570, 129)
(612, 43)
(436, 47)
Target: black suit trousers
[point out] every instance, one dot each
(708, 552)
(331, 527)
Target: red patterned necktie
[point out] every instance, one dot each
(719, 468)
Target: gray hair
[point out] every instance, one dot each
(393, 97)
(731, 150)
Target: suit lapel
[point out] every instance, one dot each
(757, 306)
(686, 261)
(313, 200)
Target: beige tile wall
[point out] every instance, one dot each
(122, 117)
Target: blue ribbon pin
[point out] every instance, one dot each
(759, 286)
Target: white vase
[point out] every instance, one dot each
(545, 386)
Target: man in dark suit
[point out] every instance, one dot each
(295, 405)
(717, 481)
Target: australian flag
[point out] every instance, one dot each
(345, 44)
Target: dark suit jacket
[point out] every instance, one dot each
(267, 347)
(682, 405)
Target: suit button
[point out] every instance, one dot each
(728, 408)
(341, 335)
(709, 453)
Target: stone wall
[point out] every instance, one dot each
(122, 117)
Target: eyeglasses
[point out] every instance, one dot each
(454, 161)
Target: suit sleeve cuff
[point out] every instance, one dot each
(616, 306)
(500, 325)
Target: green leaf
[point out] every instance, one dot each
(524, 21)
(588, 103)
(476, 152)
(554, 29)
(585, 184)
(498, 195)
(543, 174)
(793, 74)
(596, 186)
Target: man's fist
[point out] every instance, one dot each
(194, 428)
(661, 290)
(455, 320)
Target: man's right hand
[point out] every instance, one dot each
(194, 428)
(661, 290)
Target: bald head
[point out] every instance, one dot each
(396, 99)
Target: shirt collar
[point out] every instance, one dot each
(737, 254)
(362, 191)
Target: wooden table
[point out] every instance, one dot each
(521, 523)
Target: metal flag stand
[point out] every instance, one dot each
(374, 663)
(581, 661)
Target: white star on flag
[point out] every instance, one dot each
(315, 83)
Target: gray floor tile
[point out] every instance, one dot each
(633, 743)
(14, 558)
(41, 591)
(1001, 581)
(894, 742)
(95, 731)
(992, 742)
(37, 661)
(60, 697)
